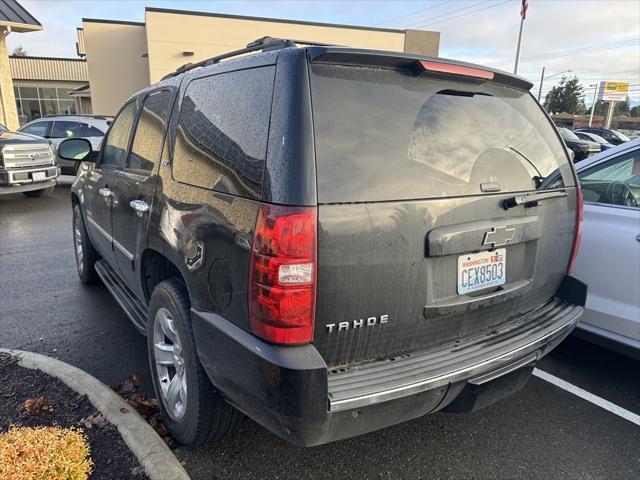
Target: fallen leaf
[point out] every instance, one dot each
(36, 406)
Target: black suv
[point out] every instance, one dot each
(305, 237)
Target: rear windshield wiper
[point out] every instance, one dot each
(526, 198)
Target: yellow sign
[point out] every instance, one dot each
(613, 91)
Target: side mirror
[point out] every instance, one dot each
(76, 149)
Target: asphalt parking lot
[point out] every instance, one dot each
(542, 432)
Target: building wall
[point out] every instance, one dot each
(117, 67)
(47, 68)
(8, 111)
(115, 62)
(170, 34)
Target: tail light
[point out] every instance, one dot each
(577, 236)
(282, 276)
(453, 69)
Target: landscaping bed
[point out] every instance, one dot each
(31, 398)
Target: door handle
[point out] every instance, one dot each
(638, 238)
(140, 206)
(105, 192)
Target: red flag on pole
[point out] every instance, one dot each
(523, 9)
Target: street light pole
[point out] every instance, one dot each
(593, 105)
(541, 80)
(542, 77)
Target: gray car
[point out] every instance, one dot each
(56, 128)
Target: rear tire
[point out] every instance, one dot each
(86, 254)
(43, 192)
(192, 410)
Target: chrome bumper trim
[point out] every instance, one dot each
(456, 372)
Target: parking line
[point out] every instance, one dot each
(589, 397)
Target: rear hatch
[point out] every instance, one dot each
(416, 245)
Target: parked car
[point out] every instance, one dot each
(614, 137)
(27, 164)
(609, 259)
(56, 128)
(335, 267)
(592, 137)
(581, 148)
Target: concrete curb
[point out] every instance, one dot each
(154, 455)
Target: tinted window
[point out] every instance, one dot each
(567, 134)
(91, 131)
(67, 129)
(3, 128)
(616, 182)
(39, 128)
(222, 132)
(114, 151)
(386, 135)
(147, 142)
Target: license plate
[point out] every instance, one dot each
(39, 176)
(481, 270)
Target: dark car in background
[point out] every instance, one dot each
(580, 148)
(56, 128)
(612, 136)
(304, 237)
(592, 137)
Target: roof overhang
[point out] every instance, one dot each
(19, 27)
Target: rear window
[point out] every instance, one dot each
(388, 135)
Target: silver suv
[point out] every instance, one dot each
(56, 128)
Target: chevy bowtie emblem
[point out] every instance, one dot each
(499, 236)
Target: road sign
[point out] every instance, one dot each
(613, 91)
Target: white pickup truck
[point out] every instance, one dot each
(27, 164)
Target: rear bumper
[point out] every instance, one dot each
(290, 390)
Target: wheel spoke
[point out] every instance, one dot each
(166, 323)
(173, 393)
(163, 354)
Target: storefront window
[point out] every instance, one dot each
(36, 102)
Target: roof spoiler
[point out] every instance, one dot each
(415, 64)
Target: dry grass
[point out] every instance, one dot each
(44, 453)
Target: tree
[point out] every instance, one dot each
(565, 97)
(602, 107)
(635, 111)
(622, 108)
(19, 52)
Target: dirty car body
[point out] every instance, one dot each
(429, 271)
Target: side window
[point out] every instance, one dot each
(39, 128)
(616, 182)
(65, 129)
(91, 131)
(147, 141)
(114, 151)
(221, 141)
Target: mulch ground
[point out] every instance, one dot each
(32, 398)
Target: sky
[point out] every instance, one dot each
(595, 39)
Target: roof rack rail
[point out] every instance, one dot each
(260, 44)
(91, 115)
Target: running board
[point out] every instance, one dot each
(135, 310)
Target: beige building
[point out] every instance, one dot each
(14, 19)
(123, 57)
(49, 86)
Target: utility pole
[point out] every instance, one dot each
(541, 80)
(523, 15)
